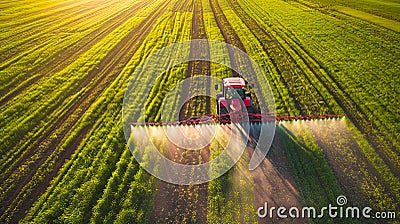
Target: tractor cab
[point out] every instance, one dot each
(233, 99)
(234, 88)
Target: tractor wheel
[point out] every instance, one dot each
(224, 111)
(250, 110)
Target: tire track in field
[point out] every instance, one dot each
(353, 111)
(186, 203)
(183, 6)
(69, 53)
(272, 182)
(109, 68)
(197, 67)
(232, 38)
(229, 35)
(259, 176)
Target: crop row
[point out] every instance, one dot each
(223, 204)
(365, 98)
(73, 26)
(81, 97)
(37, 104)
(137, 205)
(64, 133)
(60, 50)
(372, 111)
(91, 153)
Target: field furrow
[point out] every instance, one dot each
(182, 198)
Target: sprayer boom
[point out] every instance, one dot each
(225, 119)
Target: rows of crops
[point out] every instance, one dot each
(53, 133)
(355, 84)
(64, 68)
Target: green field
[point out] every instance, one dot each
(65, 66)
(387, 8)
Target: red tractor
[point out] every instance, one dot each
(233, 103)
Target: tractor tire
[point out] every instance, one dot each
(219, 95)
(224, 111)
(250, 110)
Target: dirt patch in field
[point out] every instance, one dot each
(273, 184)
(180, 203)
